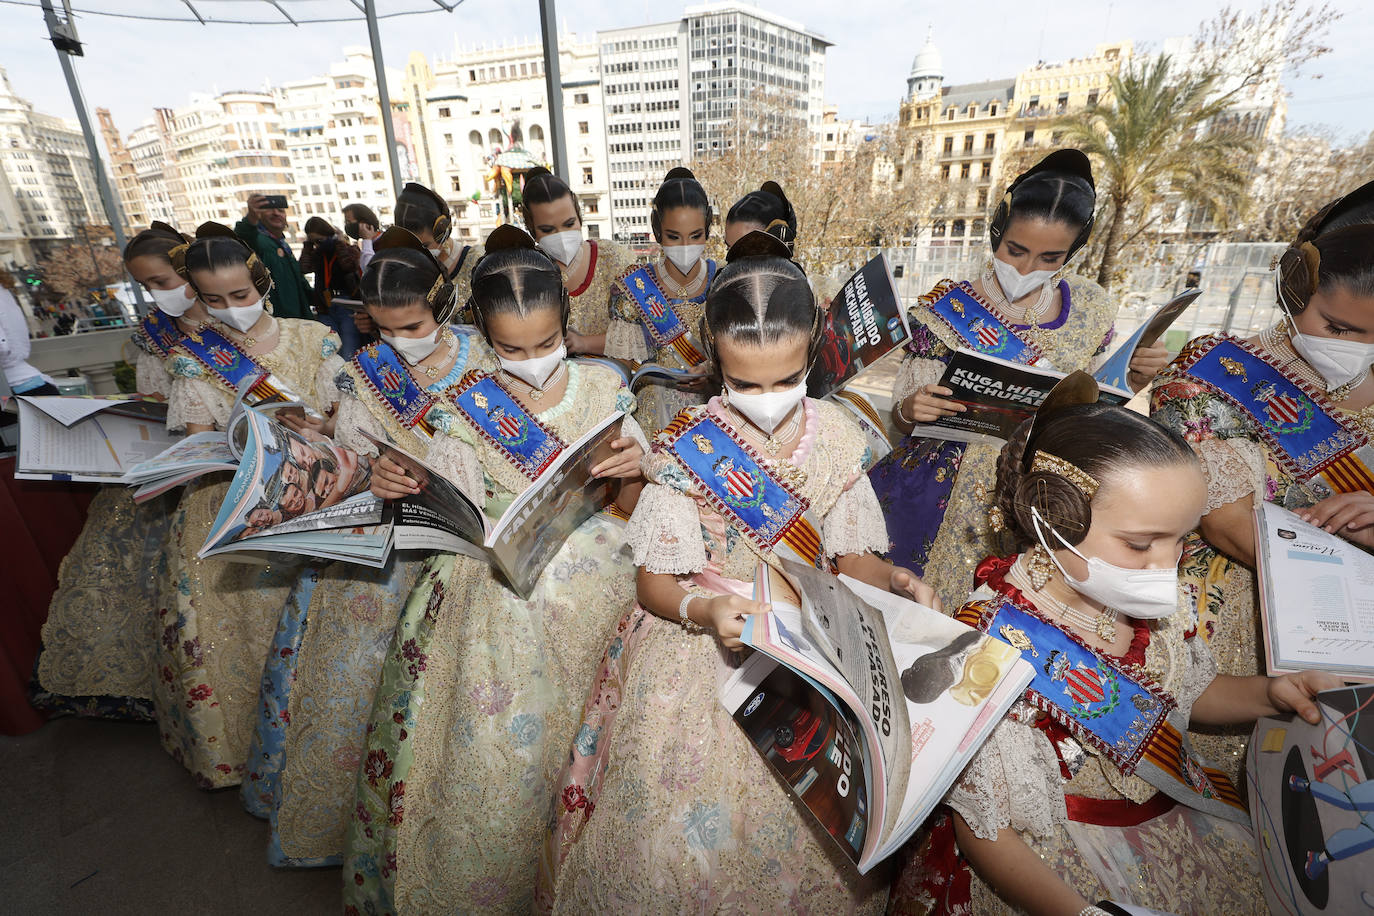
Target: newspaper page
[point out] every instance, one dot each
(1316, 595)
(865, 321)
(98, 448)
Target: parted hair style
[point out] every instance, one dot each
(320, 226)
(215, 248)
(544, 187)
(1335, 248)
(157, 240)
(1057, 189)
(403, 272)
(1099, 439)
(514, 277)
(680, 188)
(421, 210)
(761, 297)
(769, 208)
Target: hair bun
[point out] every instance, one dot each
(679, 172)
(538, 171)
(758, 243)
(1078, 387)
(509, 235)
(211, 230)
(158, 227)
(414, 187)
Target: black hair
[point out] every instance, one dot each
(680, 188)
(1334, 248)
(363, 214)
(544, 187)
(1347, 258)
(157, 240)
(514, 277)
(761, 299)
(399, 277)
(1056, 197)
(216, 247)
(769, 208)
(1100, 440)
(421, 210)
(320, 226)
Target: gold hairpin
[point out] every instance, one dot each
(434, 290)
(1053, 464)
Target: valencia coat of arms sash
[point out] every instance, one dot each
(663, 324)
(1305, 433)
(768, 511)
(1109, 706)
(977, 323)
(499, 419)
(393, 384)
(228, 363)
(162, 331)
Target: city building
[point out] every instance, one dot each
(674, 91)
(132, 206)
(156, 175)
(49, 173)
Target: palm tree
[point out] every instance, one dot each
(1161, 133)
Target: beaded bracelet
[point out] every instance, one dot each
(688, 623)
(897, 407)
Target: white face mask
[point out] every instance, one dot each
(414, 349)
(767, 410)
(239, 317)
(535, 371)
(173, 302)
(1016, 285)
(562, 246)
(684, 257)
(1336, 361)
(1145, 594)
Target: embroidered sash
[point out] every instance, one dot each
(526, 443)
(228, 363)
(768, 510)
(978, 324)
(394, 386)
(666, 328)
(162, 331)
(1111, 707)
(867, 417)
(1304, 432)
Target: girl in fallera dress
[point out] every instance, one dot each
(666, 806)
(934, 492)
(323, 666)
(656, 307)
(216, 618)
(1072, 801)
(590, 267)
(1305, 378)
(425, 214)
(480, 690)
(97, 656)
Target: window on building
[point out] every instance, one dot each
(989, 143)
(594, 231)
(443, 111)
(949, 113)
(944, 171)
(1062, 105)
(986, 170)
(1029, 138)
(992, 110)
(1056, 138)
(956, 229)
(591, 205)
(587, 175)
(583, 127)
(982, 201)
(949, 145)
(964, 171)
(968, 143)
(1092, 99)
(937, 229)
(581, 98)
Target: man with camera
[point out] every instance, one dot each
(263, 228)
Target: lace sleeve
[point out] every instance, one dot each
(1233, 467)
(150, 377)
(457, 461)
(194, 401)
(625, 339)
(351, 422)
(1013, 780)
(1198, 676)
(855, 523)
(630, 427)
(325, 389)
(914, 372)
(665, 532)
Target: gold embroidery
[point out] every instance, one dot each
(703, 444)
(480, 400)
(1018, 639)
(1233, 367)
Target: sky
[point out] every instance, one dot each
(131, 67)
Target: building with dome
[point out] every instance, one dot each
(927, 71)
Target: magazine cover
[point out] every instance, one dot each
(87, 439)
(864, 322)
(1114, 371)
(1312, 804)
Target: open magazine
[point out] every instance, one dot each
(1000, 395)
(865, 321)
(1316, 593)
(637, 374)
(866, 704)
(1113, 372)
(84, 438)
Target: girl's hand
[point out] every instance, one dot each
(930, 403)
(1146, 362)
(1351, 515)
(624, 463)
(906, 583)
(316, 429)
(390, 481)
(698, 378)
(726, 614)
(1294, 692)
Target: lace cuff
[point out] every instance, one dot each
(1013, 781)
(855, 523)
(665, 532)
(1201, 671)
(325, 388)
(625, 340)
(1233, 467)
(352, 421)
(194, 401)
(630, 427)
(150, 377)
(914, 372)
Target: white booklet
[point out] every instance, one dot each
(1316, 595)
(88, 439)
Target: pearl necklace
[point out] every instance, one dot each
(683, 289)
(1279, 341)
(534, 394)
(772, 442)
(1030, 314)
(1103, 624)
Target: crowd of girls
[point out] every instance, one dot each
(456, 747)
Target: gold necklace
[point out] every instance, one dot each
(447, 336)
(1103, 624)
(1030, 314)
(1279, 340)
(536, 394)
(772, 442)
(681, 289)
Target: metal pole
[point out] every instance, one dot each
(370, 10)
(107, 198)
(553, 87)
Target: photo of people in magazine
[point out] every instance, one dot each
(299, 477)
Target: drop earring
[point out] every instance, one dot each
(1039, 566)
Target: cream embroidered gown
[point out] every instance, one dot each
(666, 806)
(327, 654)
(217, 617)
(479, 696)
